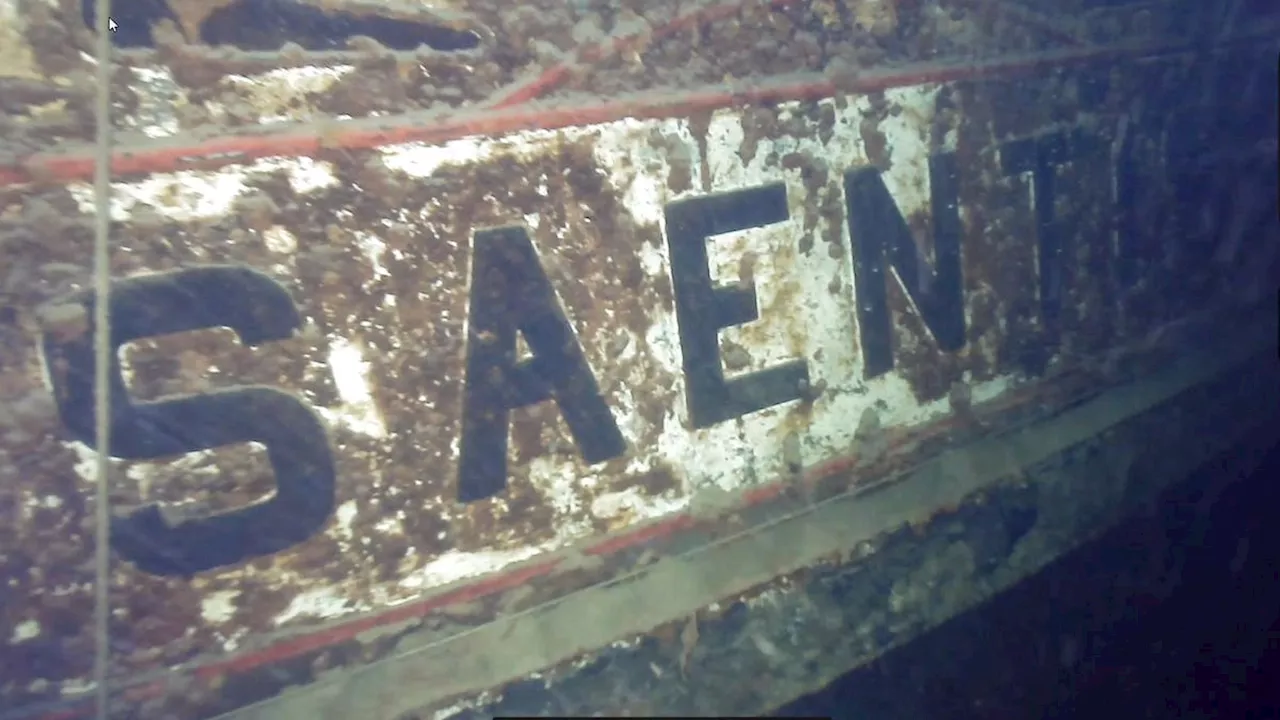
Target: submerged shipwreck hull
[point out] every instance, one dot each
(630, 358)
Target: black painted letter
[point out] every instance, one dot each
(702, 309)
(510, 292)
(876, 227)
(259, 310)
(1131, 233)
(1040, 156)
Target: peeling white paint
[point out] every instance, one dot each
(219, 607)
(280, 240)
(317, 602)
(457, 566)
(373, 247)
(73, 687)
(25, 630)
(190, 195)
(158, 98)
(801, 317)
(631, 501)
(346, 513)
(351, 377)
(16, 58)
(275, 94)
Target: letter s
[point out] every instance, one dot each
(259, 310)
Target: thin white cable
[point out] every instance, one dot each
(102, 357)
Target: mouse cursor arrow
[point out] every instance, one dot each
(111, 24)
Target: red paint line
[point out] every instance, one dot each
(303, 140)
(898, 443)
(649, 532)
(509, 579)
(295, 140)
(323, 638)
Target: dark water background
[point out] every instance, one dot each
(1209, 649)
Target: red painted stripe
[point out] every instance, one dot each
(295, 140)
(900, 443)
(303, 140)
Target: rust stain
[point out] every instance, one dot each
(413, 348)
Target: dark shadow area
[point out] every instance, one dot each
(270, 24)
(134, 20)
(1071, 643)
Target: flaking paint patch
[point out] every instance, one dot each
(456, 566)
(86, 465)
(159, 96)
(317, 602)
(351, 377)
(801, 318)
(623, 154)
(631, 503)
(25, 630)
(219, 607)
(280, 240)
(279, 95)
(16, 58)
(189, 195)
(275, 93)
(345, 513)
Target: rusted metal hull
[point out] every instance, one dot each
(423, 402)
(908, 574)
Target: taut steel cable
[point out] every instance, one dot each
(102, 355)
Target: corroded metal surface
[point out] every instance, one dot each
(795, 634)
(375, 249)
(357, 278)
(659, 606)
(202, 67)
